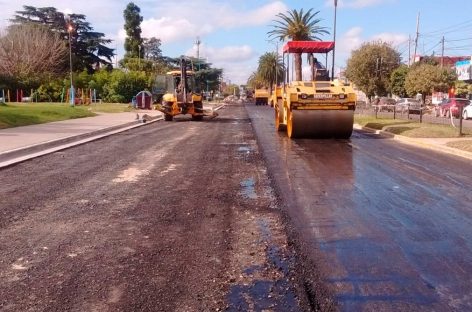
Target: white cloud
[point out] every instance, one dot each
(237, 62)
(353, 39)
(393, 39)
(170, 29)
(349, 41)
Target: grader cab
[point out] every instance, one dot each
(320, 107)
(180, 94)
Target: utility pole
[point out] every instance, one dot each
(442, 52)
(198, 42)
(334, 38)
(417, 34)
(409, 50)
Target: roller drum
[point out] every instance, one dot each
(322, 123)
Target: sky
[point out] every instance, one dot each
(233, 34)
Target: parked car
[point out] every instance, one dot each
(404, 104)
(384, 104)
(452, 107)
(467, 112)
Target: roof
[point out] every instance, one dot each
(308, 46)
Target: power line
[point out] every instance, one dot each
(449, 28)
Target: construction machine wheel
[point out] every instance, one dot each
(198, 107)
(168, 117)
(278, 125)
(290, 132)
(320, 123)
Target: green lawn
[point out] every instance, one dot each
(410, 128)
(23, 114)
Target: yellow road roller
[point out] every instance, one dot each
(316, 108)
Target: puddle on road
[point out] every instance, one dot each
(262, 293)
(244, 149)
(248, 190)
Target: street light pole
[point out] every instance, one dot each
(69, 30)
(334, 38)
(139, 57)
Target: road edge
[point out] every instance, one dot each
(416, 142)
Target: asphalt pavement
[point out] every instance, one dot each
(23, 143)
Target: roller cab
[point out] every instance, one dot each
(318, 108)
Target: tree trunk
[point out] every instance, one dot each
(298, 66)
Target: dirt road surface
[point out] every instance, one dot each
(173, 216)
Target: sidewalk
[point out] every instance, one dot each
(436, 144)
(21, 143)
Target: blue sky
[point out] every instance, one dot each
(234, 33)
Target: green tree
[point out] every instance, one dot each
(231, 89)
(270, 69)
(426, 78)
(397, 81)
(297, 25)
(122, 86)
(255, 81)
(462, 89)
(152, 48)
(88, 47)
(370, 67)
(133, 41)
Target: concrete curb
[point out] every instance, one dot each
(22, 154)
(417, 142)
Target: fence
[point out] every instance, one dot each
(425, 114)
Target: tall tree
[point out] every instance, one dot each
(88, 47)
(371, 66)
(255, 81)
(30, 54)
(270, 68)
(297, 25)
(152, 48)
(133, 41)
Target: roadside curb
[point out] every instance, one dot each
(29, 152)
(417, 142)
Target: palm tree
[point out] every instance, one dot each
(297, 26)
(271, 68)
(254, 81)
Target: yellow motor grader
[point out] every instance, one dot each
(320, 108)
(180, 94)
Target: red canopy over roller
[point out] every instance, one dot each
(308, 46)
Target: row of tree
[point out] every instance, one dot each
(375, 68)
(42, 45)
